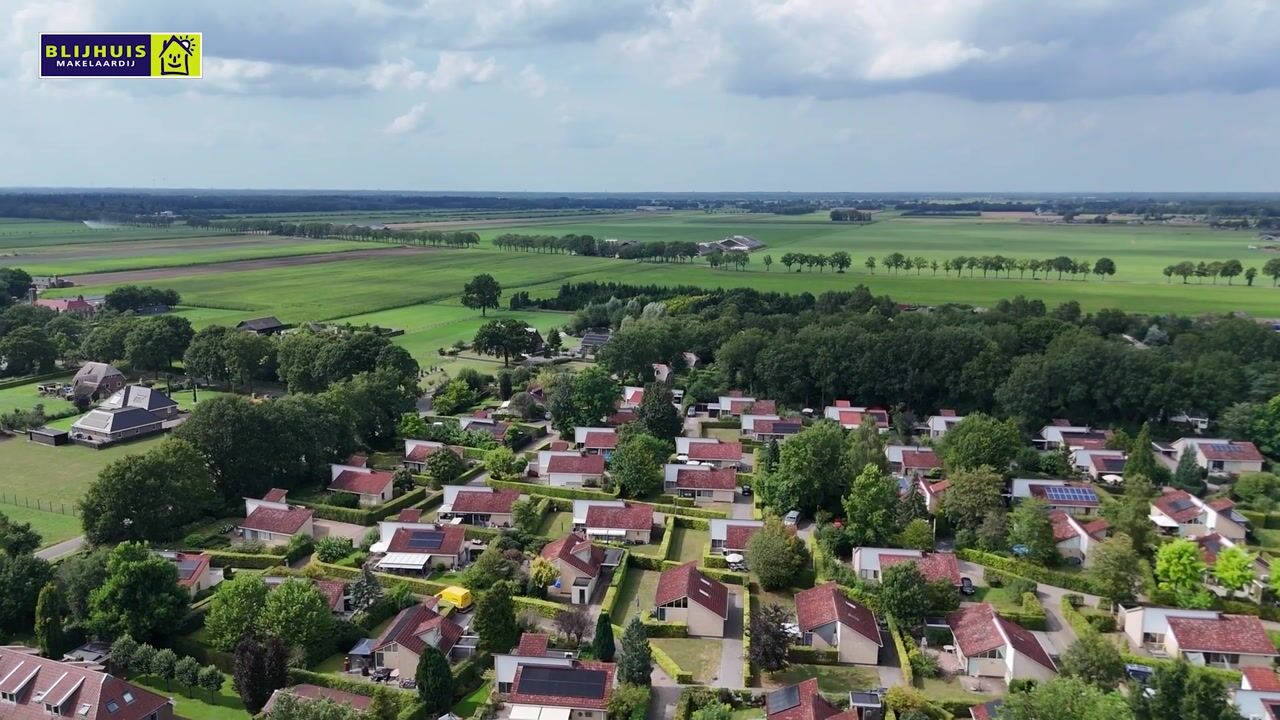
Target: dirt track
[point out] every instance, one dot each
(128, 276)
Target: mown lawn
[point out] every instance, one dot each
(25, 397)
(636, 595)
(700, 656)
(225, 705)
(688, 544)
(468, 704)
(53, 527)
(831, 678)
(556, 524)
(952, 691)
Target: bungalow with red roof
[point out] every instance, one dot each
(988, 645)
(194, 571)
(533, 649)
(559, 448)
(574, 470)
(851, 416)
(614, 520)
(37, 688)
(416, 453)
(416, 627)
(274, 521)
(418, 547)
(1201, 637)
(73, 306)
(336, 592)
(1259, 693)
(731, 536)
(1220, 457)
(828, 619)
(544, 692)
(870, 562)
(631, 397)
(372, 487)
(482, 421)
(938, 425)
(596, 440)
(780, 429)
(1076, 540)
(685, 595)
(1073, 498)
(735, 404)
(933, 493)
(1177, 512)
(700, 483)
(912, 460)
(473, 505)
(308, 693)
(579, 563)
(803, 701)
(719, 454)
(1061, 433)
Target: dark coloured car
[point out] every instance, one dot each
(966, 586)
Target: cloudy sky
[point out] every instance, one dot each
(670, 95)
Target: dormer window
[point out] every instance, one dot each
(53, 709)
(8, 697)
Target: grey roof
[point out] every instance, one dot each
(93, 373)
(269, 322)
(117, 420)
(138, 396)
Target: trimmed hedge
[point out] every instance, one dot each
(812, 656)
(713, 562)
(247, 561)
(544, 608)
(1031, 616)
(692, 523)
(1082, 623)
(908, 678)
(669, 666)
(365, 516)
(1227, 677)
(1056, 578)
(419, 586)
(15, 382)
(615, 585)
(356, 687)
(747, 674)
(551, 491)
(664, 629)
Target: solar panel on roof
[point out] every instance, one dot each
(426, 540)
(186, 568)
(562, 682)
(1180, 505)
(1226, 448)
(782, 700)
(1070, 494)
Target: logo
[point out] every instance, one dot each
(107, 55)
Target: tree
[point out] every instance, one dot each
(148, 496)
(1130, 515)
(1188, 475)
(1094, 659)
(495, 620)
(776, 555)
(1117, 568)
(383, 706)
(912, 506)
(1030, 528)
(1249, 276)
(17, 538)
(489, 569)
(27, 351)
(163, 665)
(140, 596)
(657, 413)
(903, 594)
(140, 661)
(918, 535)
(972, 495)
(206, 356)
(581, 399)
(636, 664)
(211, 680)
(1103, 267)
(298, 613)
(1065, 697)
(714, 711)
(812, 472)
(980, 440)
(602, 645)
(121, 654)
(187, 671)
(1179, 691)
(572, 622)
(435, 681)
(22, 577)
(637, 464)
(289, 706)
(481, 293)
(366, 591)
(235, 610)
(1233, 568)
(768, 262)
(237, 441)
(1179, 570)
(505, 339)
(261, 668)
(866, 447)
(770, 639)
(870, 507)
(1142, 460)
(503, 464)
(444, 466)
(50, 618)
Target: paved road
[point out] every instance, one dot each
(62, 549)
(1060, 633)
(730, 673)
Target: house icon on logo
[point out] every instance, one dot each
(175, 55)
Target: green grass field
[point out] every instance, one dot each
(57, 474)
(225, 705)
(688, 544)
(53, 527)
(25, 397)
(169, 251)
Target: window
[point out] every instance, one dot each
(53, 709)
(8, 697)
(806, 638)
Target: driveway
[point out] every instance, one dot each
(741, 508)
(730, 673)
(890, 666)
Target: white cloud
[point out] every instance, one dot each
(532, 81)
(456, 69)
(402, 73)
(408, 122)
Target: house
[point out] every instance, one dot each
(614, 520)
(481, 421)
(937, 425)
(540, 464)
(574, 470)
(1062, 433)
(593, 340)
(748, 420)
(662, 372)
(632, 397)
(720, 454)
(732, 243)
(1198, 422)
(933, 493)
(685, 595)
(95, 380)
(579, 563)
(1098, 464)
(1213, 543)
(416, 453)
(419, 547)
(307, 693)
(533, 649)
(269, 325)
(851, 416)
(1259, 694)
(683, 443)
(194, 572)
(336, 593)
(48, 282)
(1076, 540)
(37, 688)
(731, 536)
(767, 430)
(988, 645)
(478, 505)
(700, 483)
(803, 701)
(870, 562)
(828, 619)
(912, 460)
(274, 521)
(620, 417)
(735, 404)
(372, 487)
(144, 398)
(1072, 498)
(416, 627)
(1219, 457)
(543, 692)
(1201, 637)
(74, 306)
(596, 440)
(106, 427)
(1177, 512)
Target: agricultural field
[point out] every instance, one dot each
(54, 527)
(24, 233)
(26, 397)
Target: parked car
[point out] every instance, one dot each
(791, 518)
(747, 491)
(966, 586)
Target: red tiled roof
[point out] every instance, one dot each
(569, 549)
(576, 465)
(201, 561)
(629, 517)
(532, 645)
(31, 676)
(715, 451)
(621, 417)
(454, 536)
(1262, 678)
(843, 404)
(1225, 634)
(1165, 503)
(936, 488)
(635, 396)
(479, 501)
(275, 495)
(413, 622)
(925, 458)
(813, 706)
(1108, 463)
(933, 566)
(559, 445)
(977, 629)
(1233, 451)
(704, 478)
(409, 515)
(946, 412)
(359, 703)
(1097, 528)
(420, 453)
(686, 581)
(594, 703)
(361, 483)
(1222, 504)
(985, 711)
(334, 591)
(601, 440)
(736, 536)
(1210, 546)
(764, 407)
(358, 460)
(279, 522)
(1062, 528)
(825, 604)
